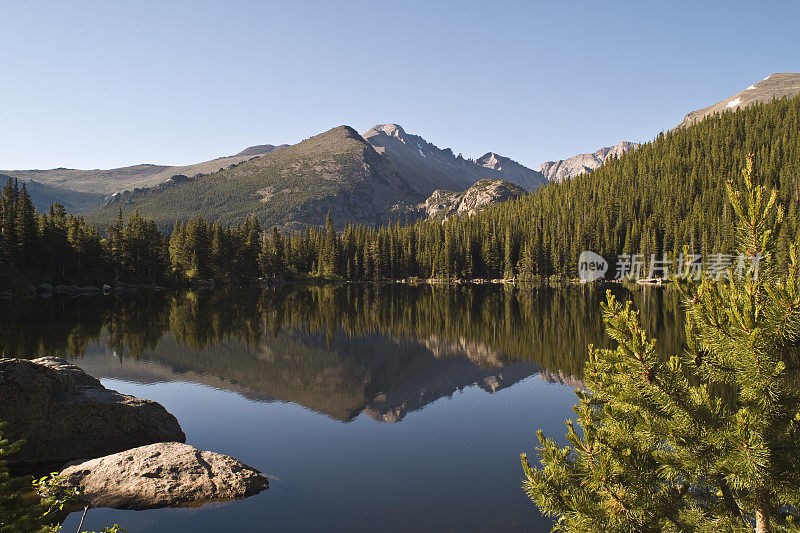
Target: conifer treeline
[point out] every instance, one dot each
(57, 247)
(666, 194)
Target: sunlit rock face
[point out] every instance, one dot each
(166, 474)
(582, 163)
(486, 192)
(428, 167)
(774, 86)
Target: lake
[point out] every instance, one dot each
(368, 407)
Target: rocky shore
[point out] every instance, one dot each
(126, 452)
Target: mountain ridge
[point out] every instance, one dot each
(90, 189)
(774, 86)
(432, 168)
(334, 172)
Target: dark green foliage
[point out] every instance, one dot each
(200, 250)
(32, 505)
(707, 441)
(59, 248)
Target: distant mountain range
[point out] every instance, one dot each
(383, 175)
(81, 191)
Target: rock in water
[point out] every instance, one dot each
(64, 414)
(166, 474)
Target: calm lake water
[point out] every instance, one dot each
(370, 408)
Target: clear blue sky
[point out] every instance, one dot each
(106, 84)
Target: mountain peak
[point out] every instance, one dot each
(392, 130)
(490, 160)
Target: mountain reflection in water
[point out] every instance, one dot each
(341, 350)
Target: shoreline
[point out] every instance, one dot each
(45, 290)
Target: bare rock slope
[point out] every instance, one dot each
(487, 191)
(64, 414)
(512, 171)
(429, 167)
(774, 86)
(568, 168)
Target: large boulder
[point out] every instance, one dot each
(64, 414)
(163, 475)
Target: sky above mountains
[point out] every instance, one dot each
(109, 84)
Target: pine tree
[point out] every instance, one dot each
(704, 442)
(26, 229)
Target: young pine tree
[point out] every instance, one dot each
(706, 441)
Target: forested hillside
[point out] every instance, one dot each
(656, 199)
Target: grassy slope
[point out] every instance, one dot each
(334, 171)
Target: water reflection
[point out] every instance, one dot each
(341, 350)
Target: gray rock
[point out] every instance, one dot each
(485, 192)
(583, 163)
(429, 168)
(63, 414)
(163, 475)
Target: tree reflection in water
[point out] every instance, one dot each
(338, 349)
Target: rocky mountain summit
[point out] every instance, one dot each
(568, 168)
(774, 86)
(485, 192)
(512, 171)
(430, 168)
